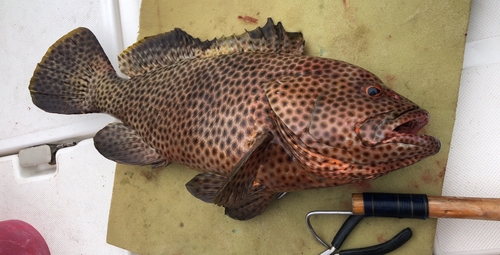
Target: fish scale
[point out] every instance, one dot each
(251, 112)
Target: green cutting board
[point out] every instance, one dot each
(415, 47)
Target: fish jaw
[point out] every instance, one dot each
(396, 137)
(381, 127)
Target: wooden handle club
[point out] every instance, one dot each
(422, 206)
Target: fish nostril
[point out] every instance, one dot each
(393, 95)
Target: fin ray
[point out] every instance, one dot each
(205, 186)
(168, 48)
(240, 180)
(65, 78)
(252, 205)
(122, 144)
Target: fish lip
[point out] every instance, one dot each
(407, 123)
(404, 129)
(394, 129)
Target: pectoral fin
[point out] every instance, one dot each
(240, 180)
(124, 145)
(251, 206)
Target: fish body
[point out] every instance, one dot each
(251, 112)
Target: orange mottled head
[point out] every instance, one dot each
(341, 121)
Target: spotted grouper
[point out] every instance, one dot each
(251, 112)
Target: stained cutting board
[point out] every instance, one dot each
(415, 47)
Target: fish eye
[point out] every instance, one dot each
(373, 90)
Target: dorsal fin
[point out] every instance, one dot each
(167, 48)
(270, 38)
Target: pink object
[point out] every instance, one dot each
(20, 238)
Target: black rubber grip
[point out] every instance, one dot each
(396, 205)
(383, 248)
(344, 231)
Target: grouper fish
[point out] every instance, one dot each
(250, 111)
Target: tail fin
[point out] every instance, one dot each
(69, 73)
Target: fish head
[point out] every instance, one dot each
(349, 124)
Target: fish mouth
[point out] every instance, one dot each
(408, 123)
(402, 129)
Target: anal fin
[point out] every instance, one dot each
(204, 186)
(124, 145)
(240, 180)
